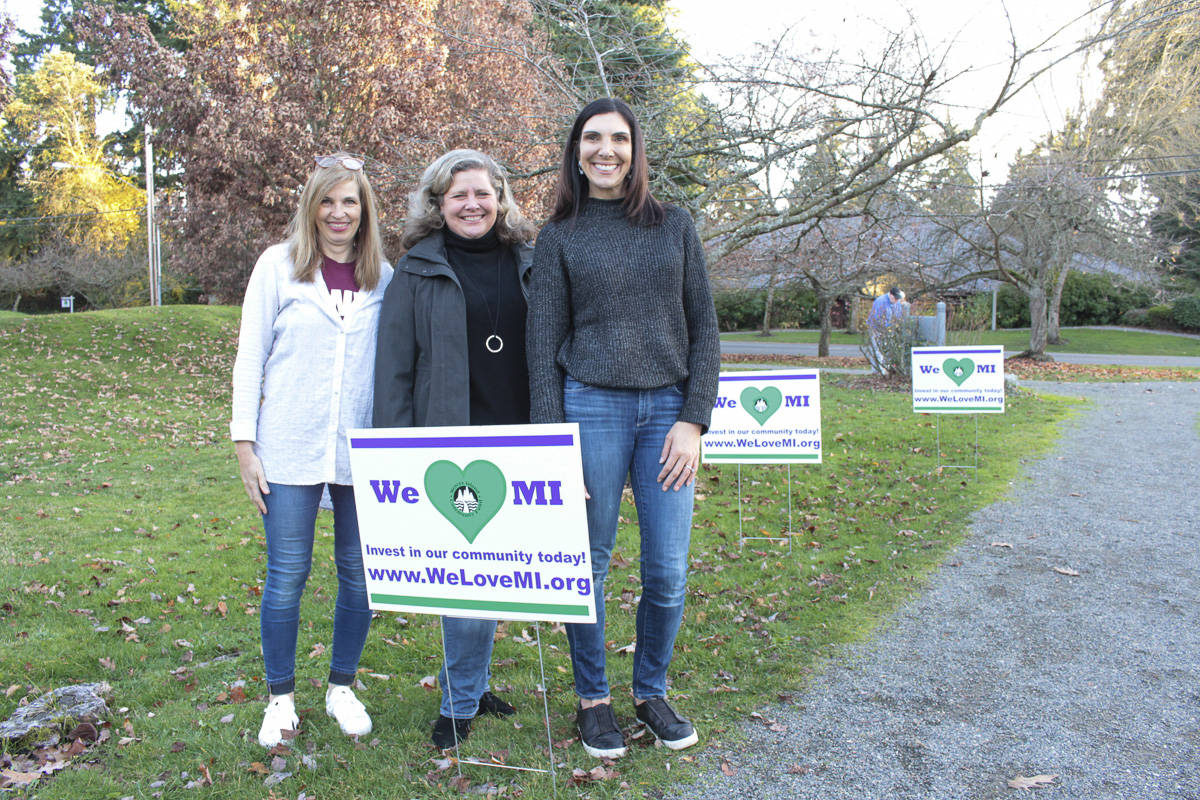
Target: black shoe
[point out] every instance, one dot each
(668, 727)
(599, 733)
(445, 730)
(491, 704)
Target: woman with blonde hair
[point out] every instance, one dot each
(302, 378)
(452, 352)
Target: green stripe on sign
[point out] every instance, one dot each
(763, 456)
(479, 605)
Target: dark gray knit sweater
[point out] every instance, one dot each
(622, 306)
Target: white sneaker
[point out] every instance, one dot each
(280, 716)
(351, 715)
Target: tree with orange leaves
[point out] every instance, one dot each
(264, 85)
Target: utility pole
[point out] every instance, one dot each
(152, 255)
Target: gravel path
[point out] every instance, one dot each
(751, 347)
(1005, 667)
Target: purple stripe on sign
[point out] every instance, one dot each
(760, 378)
(956, 352)
(548, 440)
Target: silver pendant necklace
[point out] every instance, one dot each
(493, 342)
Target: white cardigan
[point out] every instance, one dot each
(303, 375)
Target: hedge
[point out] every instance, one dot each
(742, 309)
(1087, 299)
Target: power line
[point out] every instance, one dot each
(52, 217)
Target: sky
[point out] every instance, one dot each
(973, 33)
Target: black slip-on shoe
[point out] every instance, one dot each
(672, 730)
(445, 730)
(599, 732)
(491, 704)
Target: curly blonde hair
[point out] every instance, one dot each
(425, 202)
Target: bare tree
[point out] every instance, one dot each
(1036, 227)
(833, 258)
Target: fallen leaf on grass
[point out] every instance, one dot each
(796, 769)
(1035, 782)
(599, 773)
(276, 777)
(428, 682)
(13, 779)
(107, 663)
(728, 769)
(1066, 571)
(1002, 544)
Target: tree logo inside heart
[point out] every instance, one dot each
(958, 369)
(761, 403)
(468, 498)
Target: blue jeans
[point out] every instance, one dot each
(290, 524)
(621, 432)
(466, 668)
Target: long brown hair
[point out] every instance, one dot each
(572, 191)
(303, 244)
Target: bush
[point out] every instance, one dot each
(1090, 299)
(742, 309)
(1185, 311)
(1012, 308)
(1160, 317)
(1087, 299)
(1136, 317)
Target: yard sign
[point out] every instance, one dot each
(765, 417)
(958, 380)
(481, 521)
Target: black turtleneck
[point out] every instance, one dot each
(487, 270)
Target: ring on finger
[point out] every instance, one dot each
(688, 467)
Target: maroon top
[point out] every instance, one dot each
(339, 279)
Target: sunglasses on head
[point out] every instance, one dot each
(349, 162)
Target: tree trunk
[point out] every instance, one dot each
(16, 302)
(1037, 322)
(1052, 311)
(766, 321)
(825, 309)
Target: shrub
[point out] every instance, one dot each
(1012, 308)
(1185, 311)
(1090, 299)
(742, 309)
(1160, 317)
(1087, 299)
(1136, 317)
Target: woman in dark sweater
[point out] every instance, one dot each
(622, 338)
(451, 351)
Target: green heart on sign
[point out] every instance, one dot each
(761, 403)
(958, 369)
(469, 497)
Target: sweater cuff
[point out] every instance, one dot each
(698, 413)
(243, 431)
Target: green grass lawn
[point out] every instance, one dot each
(129, 554)
(1075, 340)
